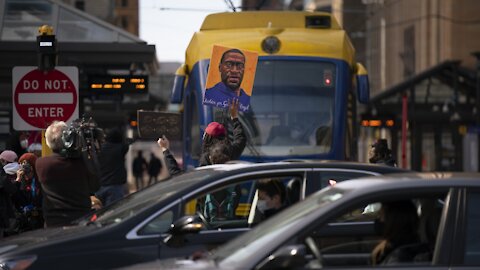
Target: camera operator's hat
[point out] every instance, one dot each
(9, 156)
(215, 129)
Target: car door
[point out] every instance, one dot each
(222, 229)
(466, 253)
(349, 236)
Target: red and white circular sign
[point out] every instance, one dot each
(40, 97)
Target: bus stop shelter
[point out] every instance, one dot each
(441, 114)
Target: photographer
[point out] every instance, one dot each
(67, 181)
(28, 198)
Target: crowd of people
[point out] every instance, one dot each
(54, 190)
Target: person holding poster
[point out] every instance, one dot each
(231, 69)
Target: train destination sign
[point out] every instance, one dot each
(127, 84)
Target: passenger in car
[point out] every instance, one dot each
(222, 204)
(271, 197)
(398, 224)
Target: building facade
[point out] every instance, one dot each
(121, 13)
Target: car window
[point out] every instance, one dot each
(136, 202)
(387, 232)
(158, 225)
(330, 178)
(230, 206)
(472, 243)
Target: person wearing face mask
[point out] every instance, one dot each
(271, 197)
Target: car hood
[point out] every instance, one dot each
(31, 238)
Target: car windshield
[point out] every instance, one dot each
(137, 201)
(292, 112)
(244, 247)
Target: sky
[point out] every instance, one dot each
(170, 24)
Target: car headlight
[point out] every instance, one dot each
(17, 263)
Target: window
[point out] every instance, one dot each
(330, 178)
(283, 122)
(354, 237)
(158, 225)
(472, 245)
(124, 22)
(242, 204)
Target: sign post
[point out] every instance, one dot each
(40, 97)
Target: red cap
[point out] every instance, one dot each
(215, 129)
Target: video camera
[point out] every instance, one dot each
(83, 139)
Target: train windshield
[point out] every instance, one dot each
(292, 106)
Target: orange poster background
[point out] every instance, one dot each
(213, 76)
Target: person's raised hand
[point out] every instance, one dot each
(234, 108)
(163, 143)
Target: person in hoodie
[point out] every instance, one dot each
(216, 132)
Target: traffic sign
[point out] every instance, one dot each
(40, 97)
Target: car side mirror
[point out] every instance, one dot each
(186, 225)
(181, 227)
(288, 257)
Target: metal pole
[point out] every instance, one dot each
(404, 129)
(477, 103)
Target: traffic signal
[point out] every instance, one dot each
(46, 48)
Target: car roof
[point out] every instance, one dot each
(243, 165)
(451, 179)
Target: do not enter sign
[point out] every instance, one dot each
(41, 97)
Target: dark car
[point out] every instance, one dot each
(336, 228)
(138, 228)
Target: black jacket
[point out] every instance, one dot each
(112, 164)
(67, 185)
(236, 145)
(172, 164)
(7, 189)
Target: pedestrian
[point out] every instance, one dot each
(113, 173)
(138, 167)
(216, 132)
(381, 154)
(154, 168)
(28, 198)
(66, 181)
(7, 189)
